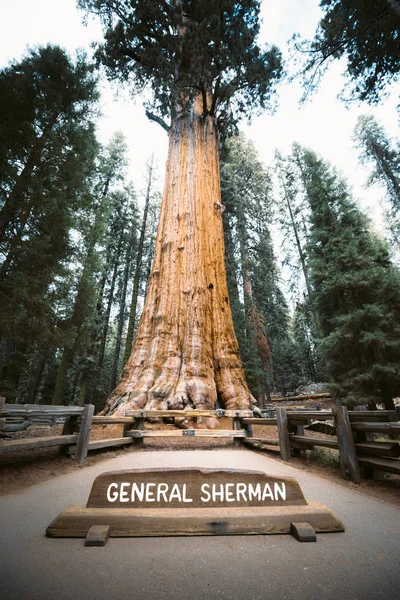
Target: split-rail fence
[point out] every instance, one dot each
(360, 454)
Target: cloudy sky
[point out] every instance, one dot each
(325, 124)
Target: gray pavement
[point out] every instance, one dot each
(361, 563)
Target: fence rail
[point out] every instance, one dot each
(360, 454)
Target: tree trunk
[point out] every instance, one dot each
(122, 304)
(185, 350)
(106, 321)
(138, 269)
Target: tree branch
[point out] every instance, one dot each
(158, 120)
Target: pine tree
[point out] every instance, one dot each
(356, 291)
(293, 216)
(51, 148)
(262, 321)
(138, 271)
(204, 67)
(378, 151)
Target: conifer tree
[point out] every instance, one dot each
(46, 160)
(356, 291)
(365, 33)
(380, 152)
(262, 321)
(204, 68)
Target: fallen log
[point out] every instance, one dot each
(301, 397)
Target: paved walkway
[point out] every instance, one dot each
(361, 563)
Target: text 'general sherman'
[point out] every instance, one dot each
(238, 492)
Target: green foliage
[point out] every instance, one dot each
(356, 290)
(84, 330)
(47, 157)
(378, 151)
(260, 311)
(188, 47)
(366, 33)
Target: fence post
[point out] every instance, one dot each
(283, 432)
(366, 436)
(84, 434)
(2, 421)
(248, 428)
(138, 425)
(236, 425)
(347, 448)
(70, 426)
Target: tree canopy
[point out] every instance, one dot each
(356, 290)
(366, 33)
(185, 47)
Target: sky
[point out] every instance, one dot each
(324, 123)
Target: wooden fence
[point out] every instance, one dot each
(359, 452)
(78, 421)
(75, 436)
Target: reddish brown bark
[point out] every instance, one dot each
(185, 351)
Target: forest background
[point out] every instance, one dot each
(70, 334)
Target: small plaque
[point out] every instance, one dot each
(192, 488)
(188, 432)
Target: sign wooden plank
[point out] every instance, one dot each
(76, 521)
(216, 433)
(192, 488)
(192, 501)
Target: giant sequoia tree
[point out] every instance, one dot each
(204, 68)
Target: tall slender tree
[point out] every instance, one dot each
(204, 67)
(356, 290)
(246, 187)
(378, 151)
(138, 272)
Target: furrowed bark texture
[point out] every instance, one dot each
(185, 351)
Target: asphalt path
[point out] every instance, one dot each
(361, 563)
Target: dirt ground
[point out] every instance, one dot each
(22, 469)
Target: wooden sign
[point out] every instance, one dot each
(192, 488)
(193, 501)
